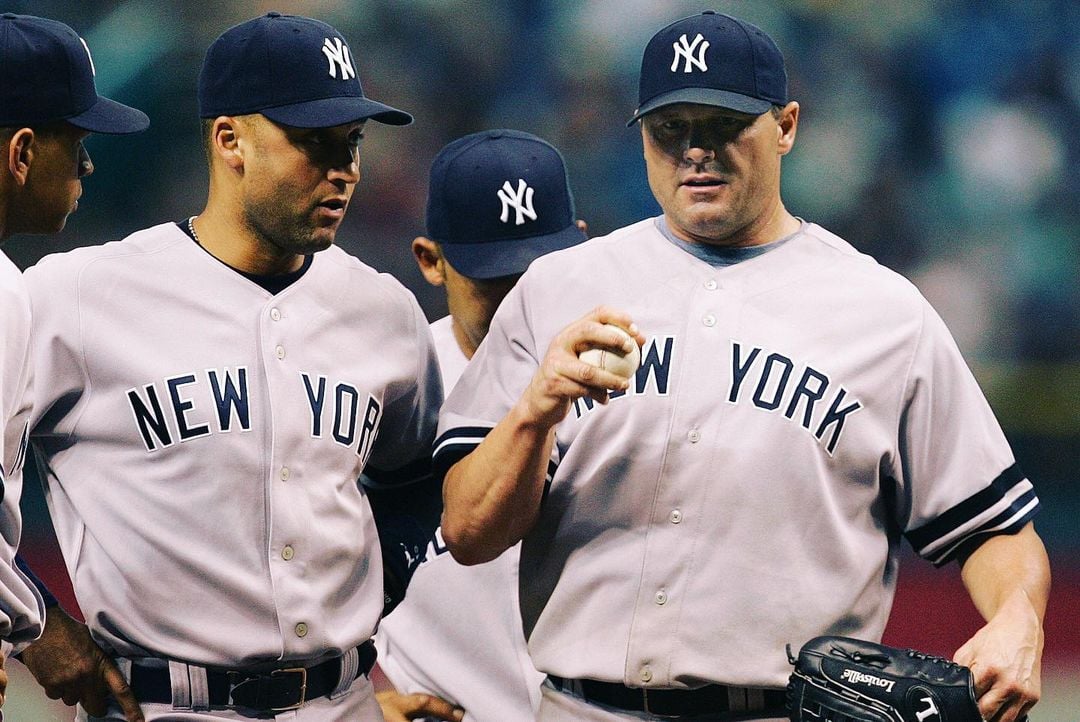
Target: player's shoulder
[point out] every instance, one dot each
(595, 255)
(69, 265)
(342, 261)
(640, 232)
(10, 278)
(361, 281)
(842, 260)
(12, 287)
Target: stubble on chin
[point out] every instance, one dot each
(290, 235)
(705, 226)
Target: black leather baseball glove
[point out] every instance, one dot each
(839, 679)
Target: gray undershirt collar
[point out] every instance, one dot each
(721, 256)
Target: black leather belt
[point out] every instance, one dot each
(709, 700)
(274, 690)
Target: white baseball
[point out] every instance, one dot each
(624, 365)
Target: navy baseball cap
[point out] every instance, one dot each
(47, 75)
(497, 200)
(294, 70)
(712, 59)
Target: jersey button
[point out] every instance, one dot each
(711, 284)
(275, 314)
(661, 597)
(285, 473)
(675, 516)
(280, 351)
(301, 630)
(287, 553)
(694, 436)
(709, 320)
(646, 674)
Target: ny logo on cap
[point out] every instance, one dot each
(685, 50)
(521, 200)
(337, 54)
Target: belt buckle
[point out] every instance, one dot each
(302, 692)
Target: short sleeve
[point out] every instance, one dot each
(495, 378)
(958, 473)
(56, 347)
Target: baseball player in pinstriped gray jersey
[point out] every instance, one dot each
(48, 105)
(798, 411)
(218, 385)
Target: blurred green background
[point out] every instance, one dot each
(937, 136)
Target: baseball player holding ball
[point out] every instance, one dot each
(798, 409)
(48, 106)
(497, 200)
(216, 387)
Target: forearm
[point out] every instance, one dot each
(1009, 572)
(1008, 578)
(492, 496)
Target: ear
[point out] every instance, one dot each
(20, 154)
(583, 226)
(787, 124)
(225, 139)
(430, 259)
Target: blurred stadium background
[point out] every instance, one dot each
(936, 135)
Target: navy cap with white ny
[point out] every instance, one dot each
(294, 70)
(47, 76)
(711, 59)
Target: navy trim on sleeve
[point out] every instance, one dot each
(932, 539)
(454, 445)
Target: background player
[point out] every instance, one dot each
(216, 388)
(48, 105)
(471, 650)
(799, 407)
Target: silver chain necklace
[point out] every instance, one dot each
(191, 228)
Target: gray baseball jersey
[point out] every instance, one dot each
(794, 416)
(203, 439)
(21, 609)
(458, 633)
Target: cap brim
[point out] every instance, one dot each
(108, 116)
(494, 259)
(703, 96)
(328, 112)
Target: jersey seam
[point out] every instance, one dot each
(24, 381)
(898, 414)
(84, 402)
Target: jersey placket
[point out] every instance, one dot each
(673, 538)
(284, 479)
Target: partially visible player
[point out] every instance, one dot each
(48, 105)
(216, 387)
(497, 200)
(799, 412)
